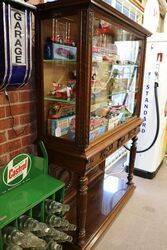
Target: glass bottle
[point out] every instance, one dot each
(61, 237)
(33, 241)
(54, 207)
(54, 234)
(55, 221)
(27, 223)
(53, 245)
(48, 49)
(12, 235)
(43, 230)
(13, 247)
(70, 227)
(39, 228)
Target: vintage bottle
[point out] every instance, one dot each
(54, 207)
(53, 245)
(12, 235)
(48, 49)
(55, 221)
(54, 234)
(27, 223)
(13, 247)
(70, 227)
(33, 241)
(43, 230)
(61, 237)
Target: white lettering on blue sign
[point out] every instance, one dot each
(18, 37)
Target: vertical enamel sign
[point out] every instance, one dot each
(15, 43)
(18, 41)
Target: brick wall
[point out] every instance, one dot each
(23, 108)
(20, 138)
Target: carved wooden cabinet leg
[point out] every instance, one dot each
(132, 161)
(82, 207)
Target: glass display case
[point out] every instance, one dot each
(115, 82)
(89, 73)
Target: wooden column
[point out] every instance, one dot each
(132, 160)
(81, 207)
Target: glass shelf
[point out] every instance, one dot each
(48, 98)
(116, 65)
(124, 92)
(59, 61)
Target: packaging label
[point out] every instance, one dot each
(64, 52)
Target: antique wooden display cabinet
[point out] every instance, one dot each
(89, 73)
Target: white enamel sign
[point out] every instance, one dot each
(18, 41)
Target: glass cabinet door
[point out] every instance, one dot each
(114, 83)
(59, 42)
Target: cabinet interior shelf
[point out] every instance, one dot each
(123, 92)
(121, 65)
(48, 98)
(59, 61)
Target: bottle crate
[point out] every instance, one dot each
(27, 190)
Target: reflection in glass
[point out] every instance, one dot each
(114, 83)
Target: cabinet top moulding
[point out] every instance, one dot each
(79, 4)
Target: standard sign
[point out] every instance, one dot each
(18, 41)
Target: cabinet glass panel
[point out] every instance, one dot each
(59, 42)
(114, 83)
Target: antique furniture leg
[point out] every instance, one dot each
(132, 160)
(81, 207)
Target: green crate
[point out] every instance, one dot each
(29, 189)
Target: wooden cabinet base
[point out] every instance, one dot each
(105, 200)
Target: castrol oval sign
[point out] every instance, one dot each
(17, 170)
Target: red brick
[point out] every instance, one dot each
(3, 148)
(26, 150)
(3, 160)
(13, 96)
(2, 112)
(13, 145)
(27, 140)
(27, 118)
(8, 123)
(19, 109)
(22, 130)
(15, 152)
(29, 149)
(5, 124)
(25, 96)
(2, 98)
(2, 137)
